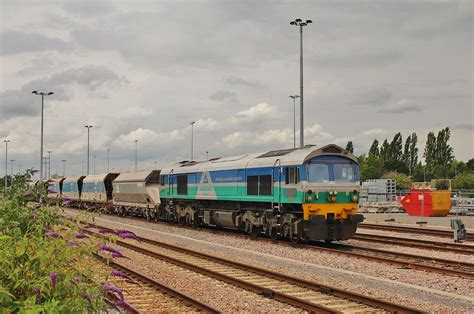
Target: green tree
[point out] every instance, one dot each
(413, 159)
(371, 167)
(406, 151)
(444, 152)
(374, 148)
(464, 181)
(430, 150)
(395, 147)
(470, 164)
(385, 150)
(350, 146)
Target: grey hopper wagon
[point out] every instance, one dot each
(137, 193)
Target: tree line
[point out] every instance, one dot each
(398, 157)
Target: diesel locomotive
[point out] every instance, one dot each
(298, 194)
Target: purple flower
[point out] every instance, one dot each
(53, 234)
(37, 291)
(81, 235)
(119, 231)
(113, 289)
(73, 244)
(54, 279)
(118, 255)
(88, 298)
(123, 304)
(118, 273)
(67, 202)
(129, 236)
(107, 248)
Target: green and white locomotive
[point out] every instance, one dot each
(309, 193)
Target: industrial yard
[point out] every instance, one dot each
(209, 156)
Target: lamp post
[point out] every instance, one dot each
(108, 159)
(49, 163)
(94, 163)
(11, 168)
(294, 118)
(42, 94)
(136, 155)
(207, 155)
(155, 164)
(88, 130)
(300, 23)
(192, 140)
(64, 167)
(82, 162)
(19, 168)
(6, 164)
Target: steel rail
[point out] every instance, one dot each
(301, 303)
(411, 261)
(416, 243)
(185, 299)
(435, 232)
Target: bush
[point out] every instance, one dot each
(402, 180)
(43, 269)
(463, 181)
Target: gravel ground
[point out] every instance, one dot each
(443, 223)
(218, 294)
(430, 292)
(423, 252)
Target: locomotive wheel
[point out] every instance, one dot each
(256, 231)
(295, 238)
(274, 234)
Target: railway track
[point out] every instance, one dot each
(297, 292)
(406, 229)
(405, 260)
(146, 295)
(416, 243)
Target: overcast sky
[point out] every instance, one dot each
(145, 69)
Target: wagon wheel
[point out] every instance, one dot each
(148, 215)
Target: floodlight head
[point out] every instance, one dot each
(298, 20)
(303, 24)
(50, 93)
(292, 23)
(35, 92)
(309, 21)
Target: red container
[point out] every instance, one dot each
(427, 203)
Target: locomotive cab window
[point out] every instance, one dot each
(183, 184)
(292, 175)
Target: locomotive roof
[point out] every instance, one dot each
(284, 157)
(140, 176)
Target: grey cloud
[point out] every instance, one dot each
(464, 126)
(14, 42)
(223, 95)
(349, 58)
(233, 80)
(22, 103)
(402, 106)
(376, 97)
(89, 7)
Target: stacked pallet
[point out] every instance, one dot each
(379, 196)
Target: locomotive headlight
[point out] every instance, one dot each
(331, 192)
(310, 198)
(355, 198)
(335, 192)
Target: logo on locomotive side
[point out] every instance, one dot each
(205, 187)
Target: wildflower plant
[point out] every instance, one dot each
(41, 260)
